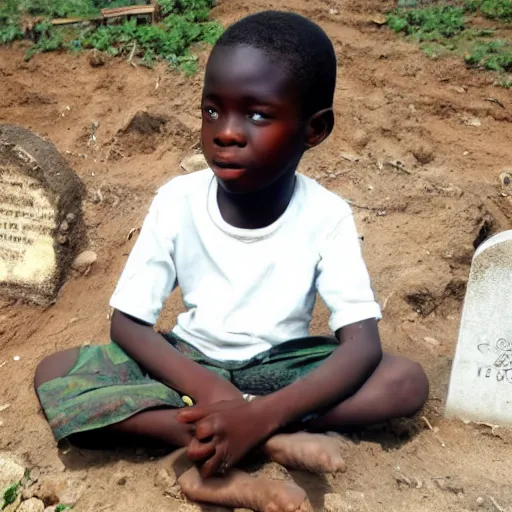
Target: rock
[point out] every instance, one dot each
(37, 191)
(335, 503)
(84, 260)
(379, 19)
(11, 471)
(431, 341)
(97, 59)
(194, 163)
(164, 480)
(423, 153)
(31, 505)
(480, 501)
(60, 490)
(360, 138)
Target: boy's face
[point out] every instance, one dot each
(252, 131)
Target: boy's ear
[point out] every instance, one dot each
(319, 127)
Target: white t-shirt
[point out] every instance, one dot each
(245, 290)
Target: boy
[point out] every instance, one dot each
(249, 242)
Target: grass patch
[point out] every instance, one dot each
(445, 29)
(183, 23)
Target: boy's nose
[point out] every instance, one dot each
(230, 134)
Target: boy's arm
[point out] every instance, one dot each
(348, 367)
(167, 364)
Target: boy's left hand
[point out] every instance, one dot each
(225, 432)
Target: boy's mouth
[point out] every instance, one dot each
(221, 164)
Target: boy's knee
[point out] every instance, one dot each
(410, 386)
(55, 366)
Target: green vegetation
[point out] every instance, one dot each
(10, 495)
(61, 508)
(183, 23)
(444, 29)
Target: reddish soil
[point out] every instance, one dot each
(420, 221)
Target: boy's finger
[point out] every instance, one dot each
(191, 414)
(212, 466)
(198, 451)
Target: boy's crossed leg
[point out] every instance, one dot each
(397, 388)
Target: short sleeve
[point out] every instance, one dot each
(149, 275)
(343, 281)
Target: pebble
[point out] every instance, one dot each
(84, 260)
(31, 505)
(194, 163)
(164, 480)
(431, 341)
(10, 470)
(335, 503)
(480, 501)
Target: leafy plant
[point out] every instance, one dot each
(184, 23)
(428, 24)
(61, 508)
(495, 55)
(10, 494)
(493, 9)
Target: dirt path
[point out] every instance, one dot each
(420, 221)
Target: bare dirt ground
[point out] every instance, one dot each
(420, 219)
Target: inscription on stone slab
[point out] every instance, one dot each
(40, 216)
(481, 379)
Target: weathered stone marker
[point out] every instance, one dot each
(481, 378)
(40, 216)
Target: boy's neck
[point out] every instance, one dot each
(258, 209)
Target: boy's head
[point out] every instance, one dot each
(267, 97)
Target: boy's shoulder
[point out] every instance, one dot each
(321, 201)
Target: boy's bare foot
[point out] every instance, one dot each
(317, 453)
(238, 489)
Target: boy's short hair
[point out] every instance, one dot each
(299, 45)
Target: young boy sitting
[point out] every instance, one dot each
(250, 242)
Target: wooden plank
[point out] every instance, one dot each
(128, 11)
(71, 21)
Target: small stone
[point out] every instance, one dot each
(360, 138)
(62, 239)
(458, 88)
(97, 59)
(70, 218)
(335, 503)
(11, 471)
(64, 227)
(480, 501)
(164, 480)
(84, 260)
(122, 480)
(423, 153)
(31, 505)
(379, 19)
(473, 121)
(194, 163)
(431, 341)
(333, 12)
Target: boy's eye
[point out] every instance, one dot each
(212, 113)
(258, 116)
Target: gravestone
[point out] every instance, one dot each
(40, 216)
(481, 378)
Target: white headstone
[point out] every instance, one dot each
(40, 216)
(481, 379)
